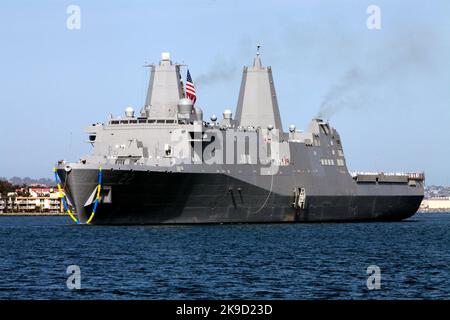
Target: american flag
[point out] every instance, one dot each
(190, 89)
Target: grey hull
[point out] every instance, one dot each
(172, 198)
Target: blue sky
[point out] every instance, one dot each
(388, 90)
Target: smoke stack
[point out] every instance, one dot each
(257, 105)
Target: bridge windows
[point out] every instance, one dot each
(141, 121)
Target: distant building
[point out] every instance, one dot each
(2, 204)
(437, 204)
(48, 204)
(40, 200)
(39, 191)
(437, 191)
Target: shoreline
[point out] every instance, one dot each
(435, 211)
(31, 214)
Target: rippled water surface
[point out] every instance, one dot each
(278, 261)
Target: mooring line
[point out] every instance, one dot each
(63, 197)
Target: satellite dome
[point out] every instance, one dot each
(213, 118)
(185, 106)
(227, 114)
(129, 112)
(270, 126)
(165, 56)
(292, 128)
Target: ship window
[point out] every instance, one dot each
(160, 121)
(170, 121)
(114, 122)
(133, 121)
(327, 162)
(124, 121)
(340, 153)
(142, 121)
(151, 121)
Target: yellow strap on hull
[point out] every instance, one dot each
(90, 218)
(97, 199)
(63, 196)
(72, 216)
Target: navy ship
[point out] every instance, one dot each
(166, 164)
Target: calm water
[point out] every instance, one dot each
(225, 261)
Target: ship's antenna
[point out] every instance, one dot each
(257, 59)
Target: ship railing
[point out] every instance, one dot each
(420, 176)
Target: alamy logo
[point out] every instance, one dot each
(215, 146)
(374, 20)
(374, 279)
(74, 280)
(73, 21)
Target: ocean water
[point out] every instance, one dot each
(257, 261)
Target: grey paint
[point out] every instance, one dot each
(257, 104)
(164, 90)
(132, 150)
